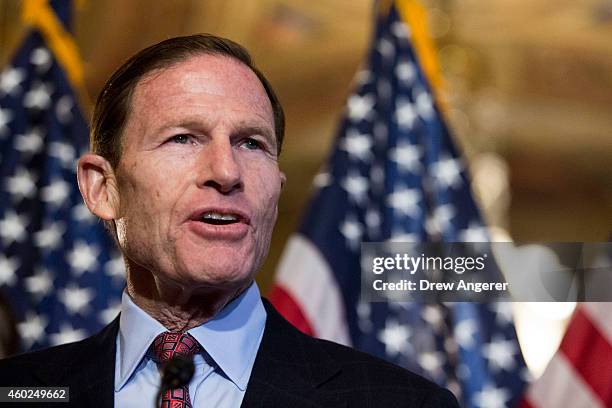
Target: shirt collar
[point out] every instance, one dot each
(231, 338)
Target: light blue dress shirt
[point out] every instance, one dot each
(230, 342)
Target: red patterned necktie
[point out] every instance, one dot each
(165, 346)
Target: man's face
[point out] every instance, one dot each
(198, 179)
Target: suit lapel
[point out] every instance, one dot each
(289, 369)
(87, 367)
(100, 391)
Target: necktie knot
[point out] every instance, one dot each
(168, 345)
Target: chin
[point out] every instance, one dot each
(220, 267)
(219, 276)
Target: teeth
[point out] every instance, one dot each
(218, 216)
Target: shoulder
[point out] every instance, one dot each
(385, 379)
(380, 370)
(352, 375)
(21, 369)
(57, 362)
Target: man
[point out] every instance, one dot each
(184, 171)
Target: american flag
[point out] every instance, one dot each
(579, 374)
(58, 267)
(395, 175)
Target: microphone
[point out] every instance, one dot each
(177, 372)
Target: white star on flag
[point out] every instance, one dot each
(464, 333)
(8, 267)
(406, 72)
(405, 201)
(440, 220)
(357, 145)
(115, 268)
(107, 315)
(67, 334)
(503, 312)
(424, 105)
(400, 30)
(76, 299)
(405, 114)
(38, 97)
(431, 361)
(49, 237)
(352, 231)
(475, 232)
(13, 227)
(83, 257)
(500, 354)
(65, 153)
(491, 397)
(386, 48)
(56, 193)
(360, 107)
(433, 316)
(32, 329)
(81, 213)
(10, 80)
(407, 156)
(395, 338)
(39, 284)
(362, 77)
(30, 143)
(21, 185)
(322, 180)
(356, 186)
(63, 109)
(41, 57)
(447, 172)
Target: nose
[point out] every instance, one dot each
(221, 170)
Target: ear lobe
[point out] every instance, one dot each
(98, 186)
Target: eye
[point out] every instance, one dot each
(180, 139)
(251, 144)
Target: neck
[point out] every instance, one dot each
(177, 307)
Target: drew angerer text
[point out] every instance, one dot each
(425, 285)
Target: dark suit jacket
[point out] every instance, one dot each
(291, 370)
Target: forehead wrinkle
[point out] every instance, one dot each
(200, 80)
(212, 77)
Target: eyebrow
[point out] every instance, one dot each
(190, 124)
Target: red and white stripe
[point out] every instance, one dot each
(306, 292)
(580, 373)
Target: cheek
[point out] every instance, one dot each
(268, 191)
(141, 206)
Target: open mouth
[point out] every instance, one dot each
(217, 218)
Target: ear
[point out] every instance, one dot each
(283, 179)
(98, 186)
